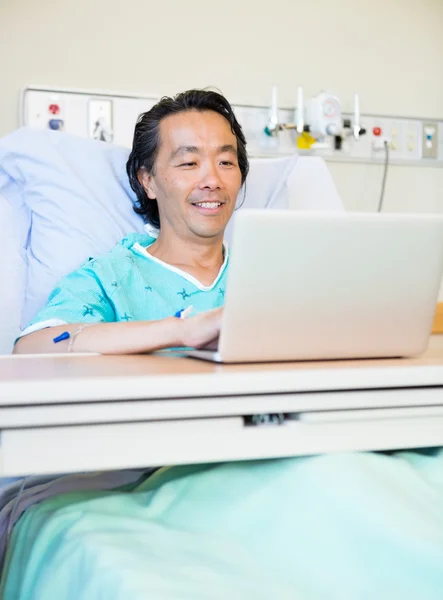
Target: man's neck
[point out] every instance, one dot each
(200, 258)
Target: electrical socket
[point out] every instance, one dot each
(429, 140)
(100, 120)
(378, 144)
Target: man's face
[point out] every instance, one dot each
(196, 175)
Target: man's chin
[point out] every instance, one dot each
(208, 233)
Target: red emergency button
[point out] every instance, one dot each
(54, 109)
(376, 131)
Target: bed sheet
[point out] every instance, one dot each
(346, 526)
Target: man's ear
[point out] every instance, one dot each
(146, 180)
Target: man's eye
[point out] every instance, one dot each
(189, 164)
(227, 163)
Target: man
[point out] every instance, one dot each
(187, 165)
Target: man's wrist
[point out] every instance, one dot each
(175, 332)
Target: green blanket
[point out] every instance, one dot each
(360, 526)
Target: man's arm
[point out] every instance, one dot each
(125, 338)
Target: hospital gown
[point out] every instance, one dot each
(128, 284)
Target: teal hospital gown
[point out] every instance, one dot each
(128, 284)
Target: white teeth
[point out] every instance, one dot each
(209, 204)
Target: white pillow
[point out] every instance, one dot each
(79, 199)
(14, 228)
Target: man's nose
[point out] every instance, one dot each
(210, 177)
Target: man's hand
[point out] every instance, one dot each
(203, 329)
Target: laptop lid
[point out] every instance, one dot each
(308, 286)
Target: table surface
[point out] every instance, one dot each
(50, 378)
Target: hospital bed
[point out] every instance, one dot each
(63, 199)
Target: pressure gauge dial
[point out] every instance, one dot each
(330, 108)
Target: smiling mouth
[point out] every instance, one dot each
(208, 204)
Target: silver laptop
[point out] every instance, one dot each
(310, 286)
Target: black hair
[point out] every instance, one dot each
(146, 141)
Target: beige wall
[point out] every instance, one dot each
(391, 51)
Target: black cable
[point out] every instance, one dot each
(14, 507)
(385, 173)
